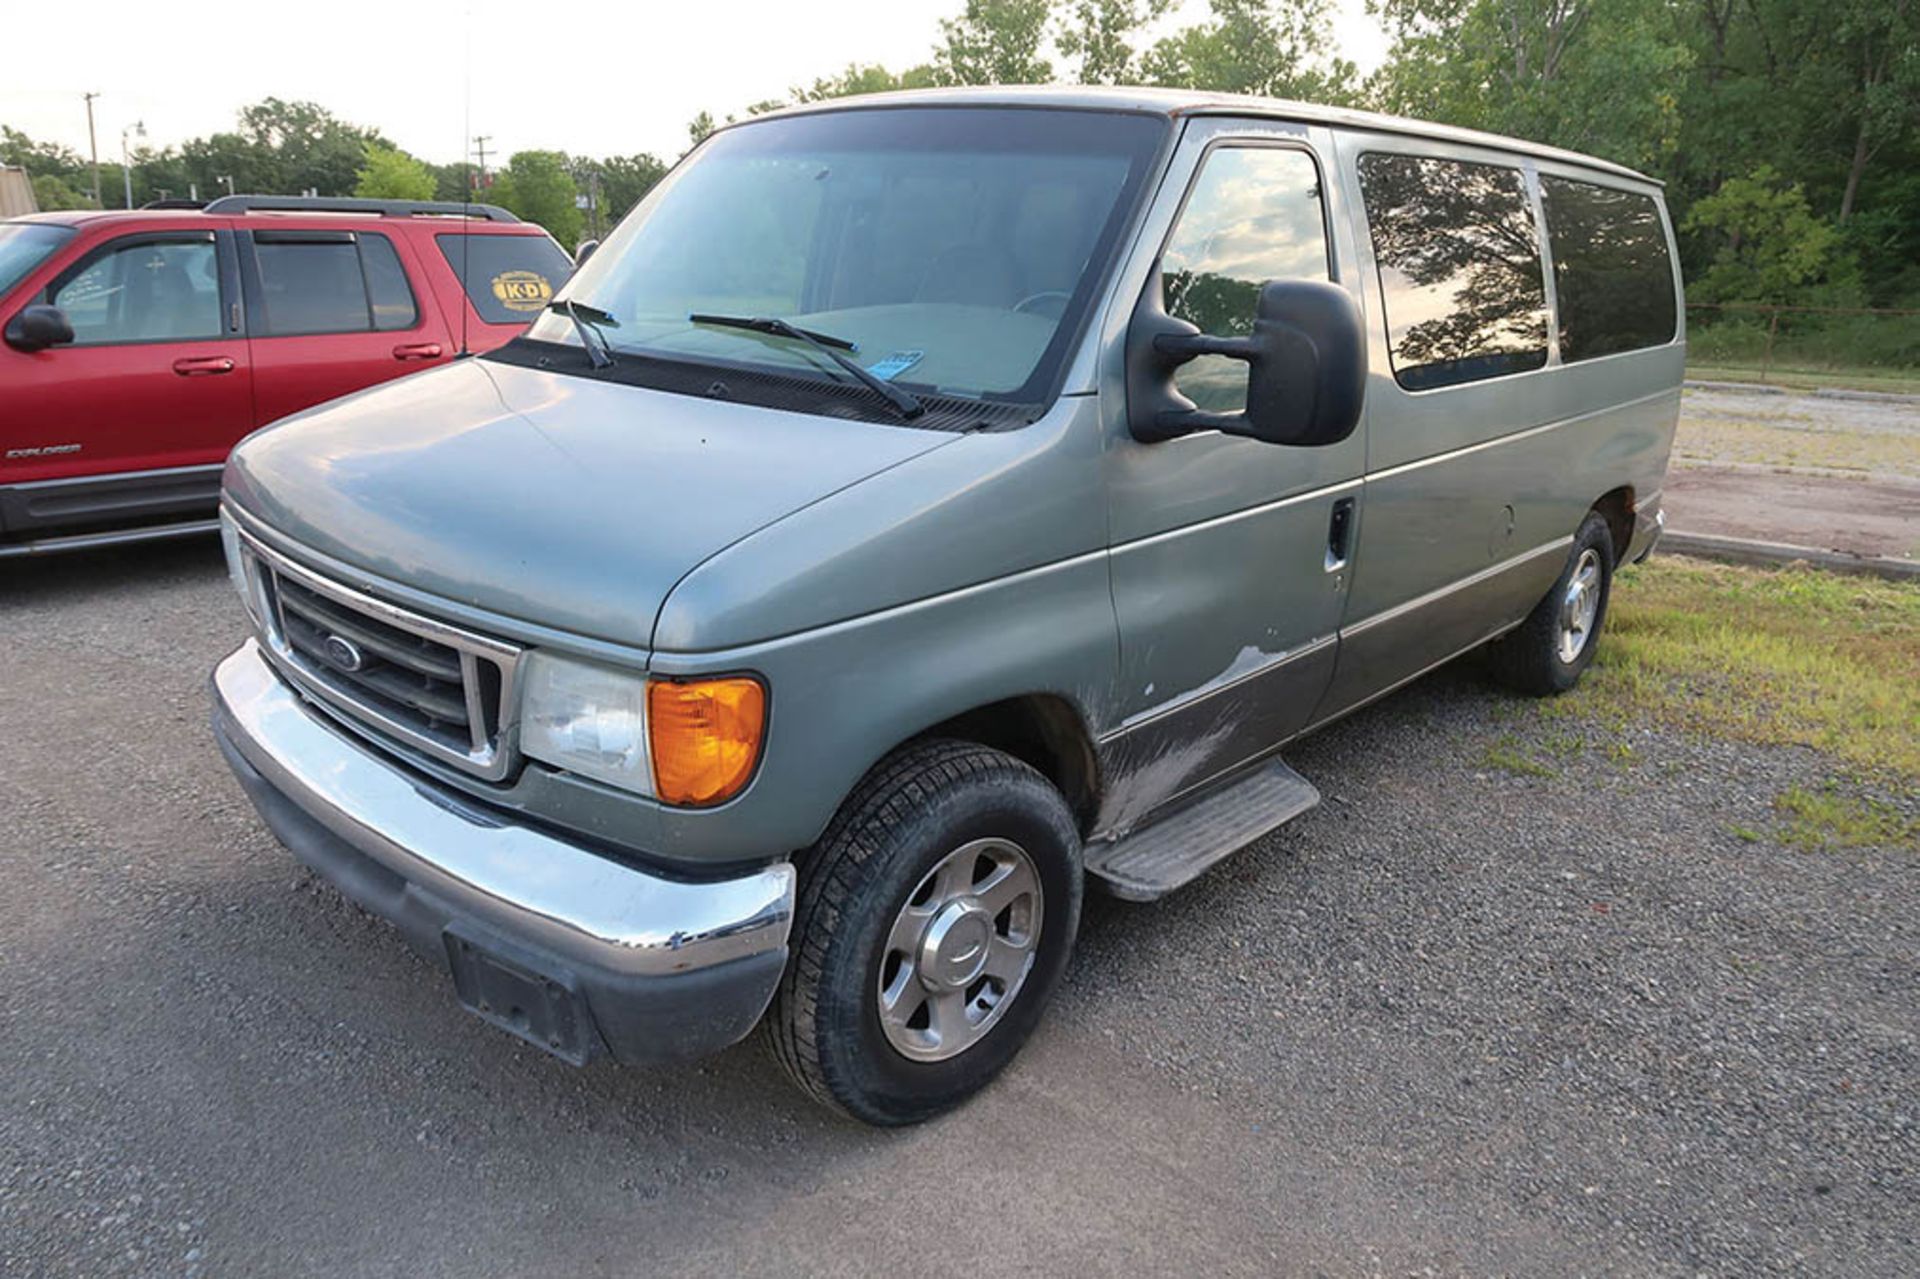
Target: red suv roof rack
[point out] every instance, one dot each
(346, 204)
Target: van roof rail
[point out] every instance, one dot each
(174, 204)
(348, 204)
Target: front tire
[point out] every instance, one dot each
(934, 920)
(1546, 654)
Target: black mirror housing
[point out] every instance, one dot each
(583, 252)
(38, 327)
(1306, 376)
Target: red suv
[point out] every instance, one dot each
(139, 347)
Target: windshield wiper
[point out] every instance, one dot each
(825, 343)
(587, 322)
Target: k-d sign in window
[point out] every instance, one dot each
(510, 278)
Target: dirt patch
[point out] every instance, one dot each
(1872, 515)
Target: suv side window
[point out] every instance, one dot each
(510, 278)
(1254, 214)
(1459, 266)
(144, 290)
(331, 282)
(1612, 274)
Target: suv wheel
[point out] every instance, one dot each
(935, 918)
(1547, 653)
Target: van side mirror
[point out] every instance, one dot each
(585, 251)
(38, 327)
(1306, 374)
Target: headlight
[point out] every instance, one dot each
(587, 719)
(240, 566)
(689, 742)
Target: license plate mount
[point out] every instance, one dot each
(508, 988)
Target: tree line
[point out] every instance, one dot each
(1787, 131)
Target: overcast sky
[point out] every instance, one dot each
(627, 79)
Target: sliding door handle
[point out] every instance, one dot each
(1340, 535)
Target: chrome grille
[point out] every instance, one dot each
(425, 683)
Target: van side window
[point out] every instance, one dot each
(144, 291)
(1612, 272)
(1459, 268)
(1254, 214)
(331, 282)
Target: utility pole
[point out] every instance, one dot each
(94, 147)
(126, 156)
(480, 145)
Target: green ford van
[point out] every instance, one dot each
(922, 509)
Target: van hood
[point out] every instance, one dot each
(557, 500)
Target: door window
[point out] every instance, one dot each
(1459, 268)
(145, 291)
(1612, 273)
(1254, 214)
(329, 282)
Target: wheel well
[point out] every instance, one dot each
(1617, 509)
(1042, 730)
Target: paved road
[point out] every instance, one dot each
(1455, 1020)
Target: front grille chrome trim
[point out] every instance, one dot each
(491, 749)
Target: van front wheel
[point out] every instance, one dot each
(934, 919)
(1547, 653)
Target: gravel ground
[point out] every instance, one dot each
(1454, 1020)
(1805, 410)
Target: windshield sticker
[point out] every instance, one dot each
(896, 364)
(522, 290)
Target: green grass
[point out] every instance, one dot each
(1775, 656)
(1898, 381)
(1825, 819)
(1506, 756)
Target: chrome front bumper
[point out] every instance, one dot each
(665, 968)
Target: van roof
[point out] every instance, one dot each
(1175, 103)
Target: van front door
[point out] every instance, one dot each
(1229, 556)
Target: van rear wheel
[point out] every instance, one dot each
(934, 920)
(1547, 653)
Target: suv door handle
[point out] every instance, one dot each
(1340, 535)
(203, 365)
(417, 351)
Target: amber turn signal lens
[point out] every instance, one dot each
(705, 736)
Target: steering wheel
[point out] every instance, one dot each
(1035, 299)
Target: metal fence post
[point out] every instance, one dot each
(1766, 361)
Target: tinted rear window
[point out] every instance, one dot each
(330, 283)
(1611, 269)
(510, 278)
(1459, 268)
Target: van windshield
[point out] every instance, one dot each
(24, 246)
(956, 249)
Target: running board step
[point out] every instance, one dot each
(1159, 858)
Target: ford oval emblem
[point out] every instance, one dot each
(343, 653)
